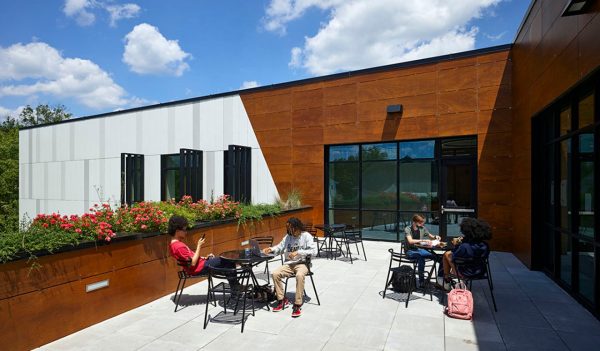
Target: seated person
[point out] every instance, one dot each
(178, 229)
(472, 244)
(415, 234)
(296, 246)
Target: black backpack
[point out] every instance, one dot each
(403, 280)
(264, 293)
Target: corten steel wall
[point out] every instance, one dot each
(550, 55)
(43, 304)
(468, 95)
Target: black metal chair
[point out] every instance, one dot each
(183, 277)
(401, 258)
(354, 236)
(308, 227)
(436, 260)
(267, 241)
(243, 291)
(474, 268)
(309, 274)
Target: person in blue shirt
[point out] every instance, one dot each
(471, 245)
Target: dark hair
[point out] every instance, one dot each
(295, 223)
(177, 223)
(475, 229)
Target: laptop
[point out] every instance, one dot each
(255, 249)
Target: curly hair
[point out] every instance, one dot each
(475, 229)
(177, 223)
(295, 223)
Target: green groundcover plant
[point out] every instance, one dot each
(49, 232)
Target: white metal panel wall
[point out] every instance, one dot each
(68, 167)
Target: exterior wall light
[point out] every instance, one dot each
(394, 109)
(576, 7)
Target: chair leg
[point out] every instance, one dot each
(180, 293)
(387, 283)
(315, 289)
(489, 273)
(363, 247)
(492, 293)
(243, 312)
(349, 252)
(268, 273)
(285, 292)
(207, 302)
(407, 299)
(175, 297)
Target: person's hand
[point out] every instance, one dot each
(267, 250)
(293, 255)
(210, 255)
(437, 237)
(201, 241)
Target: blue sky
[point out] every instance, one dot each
(96, 56)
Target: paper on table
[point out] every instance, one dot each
(435, 242)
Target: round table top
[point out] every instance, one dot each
(243, 256)
(447, 247)
(330, 227)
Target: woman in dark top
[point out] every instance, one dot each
(471, 245)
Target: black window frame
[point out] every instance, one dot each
(132, 178)
(546, 215)
(190, 170)
(237, 173)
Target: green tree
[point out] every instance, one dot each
(9, 157)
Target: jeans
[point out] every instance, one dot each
(420, 255)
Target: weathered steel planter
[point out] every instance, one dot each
(49, 301)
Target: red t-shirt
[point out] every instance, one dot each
(182, 252)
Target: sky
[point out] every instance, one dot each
(96, 56)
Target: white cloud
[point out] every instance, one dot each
(361, 34)
(118, 12)
(296, 60)
(14, 113)
(45, 71)
(495, 37)
(249, 84)
(280, 12)
(82, 11)
(147, 51)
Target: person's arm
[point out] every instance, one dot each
(409, 238)
(277, 249)
(309, 247)
(196, 256)
(431, 236)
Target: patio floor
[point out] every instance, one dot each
(533, 314)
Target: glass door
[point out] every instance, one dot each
(458, 194)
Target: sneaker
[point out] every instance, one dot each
(296, 311)
(281, 305)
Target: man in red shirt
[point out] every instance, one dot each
(179, 250)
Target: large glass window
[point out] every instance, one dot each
(564, 175)
(380, 186)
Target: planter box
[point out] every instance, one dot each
(48, 301)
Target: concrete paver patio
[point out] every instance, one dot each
(533, 314)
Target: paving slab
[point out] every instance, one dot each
(533, 314)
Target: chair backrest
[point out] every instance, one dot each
(471, 267)
(242, 273)
(184, 263)
(399, 257)
(353, 234)
(264, 240)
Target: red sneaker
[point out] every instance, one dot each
(281, 305)
(297, 311)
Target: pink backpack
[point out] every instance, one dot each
(460, 302)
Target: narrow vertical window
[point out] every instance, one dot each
(238, 173)
(132, 178)
(181, 174)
